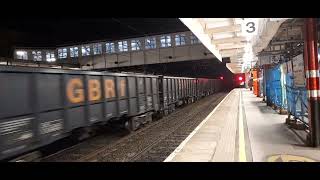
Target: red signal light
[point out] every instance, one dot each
(221, 77)
(240, 78)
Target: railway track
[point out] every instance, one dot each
(163, 147)
(151, 143)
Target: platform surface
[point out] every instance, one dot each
(243, 128)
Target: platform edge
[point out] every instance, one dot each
(184, 142)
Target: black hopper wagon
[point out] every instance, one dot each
(39, 106)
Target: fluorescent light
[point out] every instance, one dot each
(51, 59)
(21, 53)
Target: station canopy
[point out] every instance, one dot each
(239, 39)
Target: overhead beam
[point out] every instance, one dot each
(233, 54)
(235, 65)
(229, 40)
(232, 51)
(197, 29)
(235, 46)
(239, 58)
(238, 62)
(202, 22)
(232, 68)
(223, 29)
(214, 20)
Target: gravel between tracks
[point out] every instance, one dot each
(152, 143)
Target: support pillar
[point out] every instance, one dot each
(312, 80)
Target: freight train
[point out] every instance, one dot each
(40, 106)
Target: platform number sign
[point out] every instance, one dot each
(249, 26)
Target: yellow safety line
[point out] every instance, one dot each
(242, 147)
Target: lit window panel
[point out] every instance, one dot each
(22, 55)
(135, 45)
(122, 46)
(62, 53)
(85, 50)
(37, 55)
(97, 49)
(50, 57)
(180, 39)
(165, 41)
(74, 52)
(150, 43)
(110, 48)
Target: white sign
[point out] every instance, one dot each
(249, 26)
(298, 71)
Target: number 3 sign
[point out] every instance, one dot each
(249, 26)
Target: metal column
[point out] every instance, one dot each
(312, 79)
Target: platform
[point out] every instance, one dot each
(242, 128)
